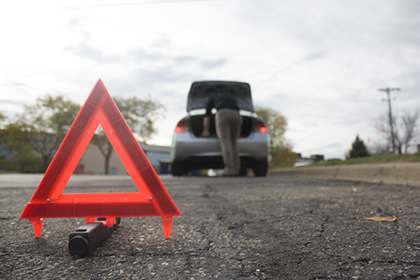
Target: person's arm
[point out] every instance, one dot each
(206, 127)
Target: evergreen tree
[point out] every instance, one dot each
(358, 149)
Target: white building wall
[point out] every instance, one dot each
(93, 162)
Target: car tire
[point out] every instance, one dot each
(178, 169)
(260, 168)
(243, 171)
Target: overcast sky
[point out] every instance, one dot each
(319, 63)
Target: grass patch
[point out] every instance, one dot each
(371, 159)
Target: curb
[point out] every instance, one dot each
(404, 173)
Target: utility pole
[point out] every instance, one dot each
(391, 122)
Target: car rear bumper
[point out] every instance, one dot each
(188, 148)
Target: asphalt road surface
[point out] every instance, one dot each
(230, 228)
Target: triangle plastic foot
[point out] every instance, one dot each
(37, 223)
(167, 226)
(90, 220)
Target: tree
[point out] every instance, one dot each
(101, 141)
(41, 128)
(2, 119)
(409, 128)
(16, 153)
(140, 116)
(280, 149)
(406, 129)
(358, 149)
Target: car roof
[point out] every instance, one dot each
(201, 91)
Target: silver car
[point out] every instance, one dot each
(189, 151)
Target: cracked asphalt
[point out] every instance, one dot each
(230, 228)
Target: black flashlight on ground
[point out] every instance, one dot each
(86, 238)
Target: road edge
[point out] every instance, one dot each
(402, 173)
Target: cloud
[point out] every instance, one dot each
(140, 55)
(162, 75)
(10, 102)
(162, 43)
(216, 63)
(12, 83)
(185, 59)
(84, 50)
(313, 56)
(75, 22)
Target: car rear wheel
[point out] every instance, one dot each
(179, 169)
(260, 168)
(243, 171)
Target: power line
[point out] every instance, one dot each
(391, 121)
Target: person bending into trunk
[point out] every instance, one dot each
(228, 128)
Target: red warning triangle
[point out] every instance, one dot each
(152, 198)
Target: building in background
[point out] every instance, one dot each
(93, 162)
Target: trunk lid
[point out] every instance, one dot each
(201, 91)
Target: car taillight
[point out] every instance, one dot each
(182, 126)
(260, 127)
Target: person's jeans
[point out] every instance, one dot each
(228, 128)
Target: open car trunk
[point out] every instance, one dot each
(196, 125)
(199, 94)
